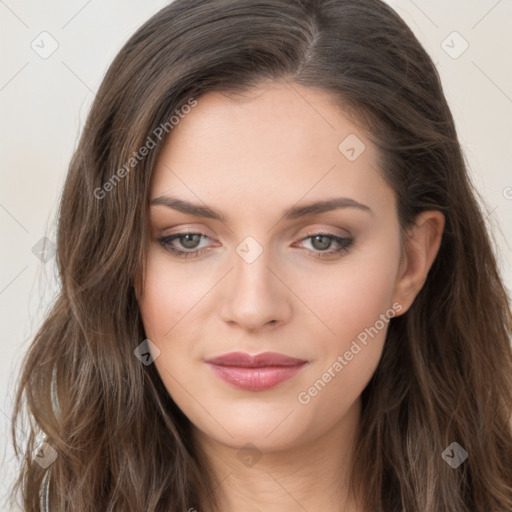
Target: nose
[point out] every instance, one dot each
(255, 296)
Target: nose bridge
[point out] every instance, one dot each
(255, 296)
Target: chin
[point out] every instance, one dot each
(266, 432)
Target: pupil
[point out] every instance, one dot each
(321, 246)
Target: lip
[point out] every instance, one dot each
(255, 372)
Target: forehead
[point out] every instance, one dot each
(276, 144)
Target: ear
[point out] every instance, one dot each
(420, 247)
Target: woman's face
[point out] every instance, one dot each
(272, 273)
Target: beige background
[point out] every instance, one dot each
(44, 102)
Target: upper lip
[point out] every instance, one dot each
(245, 360)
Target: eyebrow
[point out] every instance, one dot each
(291, 213)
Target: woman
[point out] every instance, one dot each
(278, 291)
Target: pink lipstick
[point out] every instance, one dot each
(255, 373)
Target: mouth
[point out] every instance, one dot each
(255, 373)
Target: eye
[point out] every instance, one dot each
(188, 244)
(185, 245)
(322, 242)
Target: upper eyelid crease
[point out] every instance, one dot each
(292, 213)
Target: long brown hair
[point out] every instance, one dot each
(445, 373)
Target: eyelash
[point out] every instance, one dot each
(165, 242)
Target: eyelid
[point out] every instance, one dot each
(170, 230)
(331, 231)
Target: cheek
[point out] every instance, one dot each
(170, 294)
(351, 296)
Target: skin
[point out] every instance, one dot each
(251, 158)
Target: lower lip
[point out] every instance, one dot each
(255, 379)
